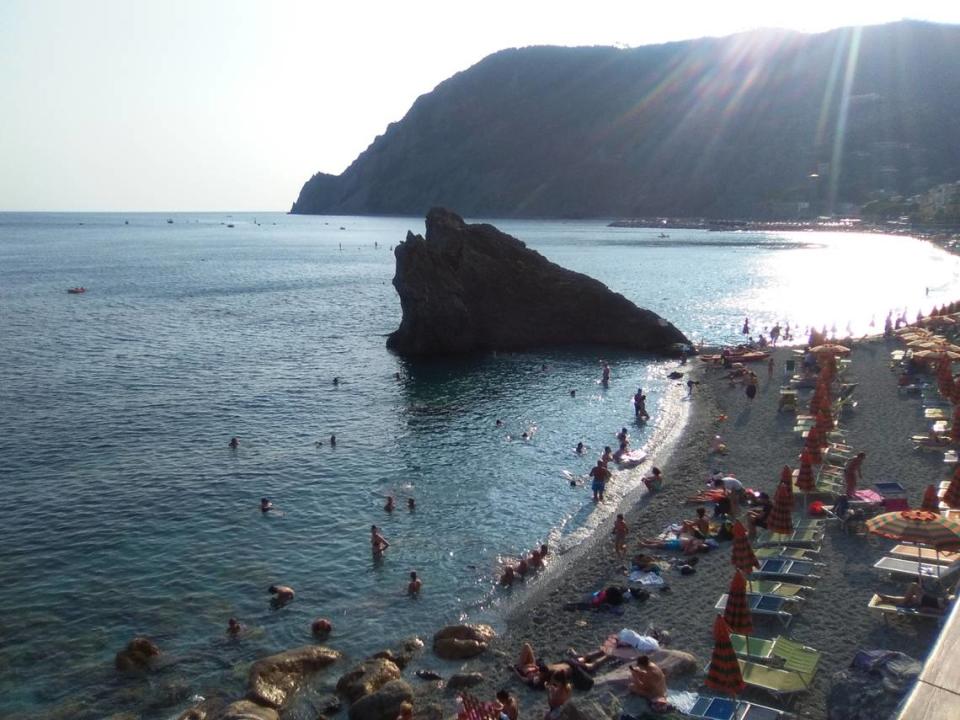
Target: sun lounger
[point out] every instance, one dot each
(720, 708)
(778, 568)
(808, 536)
(925, 554)
(791, 553)
(890, 610)
(790, 654)
(775, 587)
(773, 680)
(911, 568)
(775, 606)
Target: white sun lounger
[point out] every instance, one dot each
(911, 568)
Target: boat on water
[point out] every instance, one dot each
(76, 290)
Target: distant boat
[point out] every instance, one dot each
(76, 290)
(230, 225)
(169, 221)
(664, 236)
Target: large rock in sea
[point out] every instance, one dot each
(137, 657)
(273, 679)
(367, 677)
(383, 704)
(465, 288)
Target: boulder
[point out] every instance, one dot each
(582, 709)
(468, 288)
(384, 703)
(137, 656)
(459, 642)
(461, 681)
(367, 677)
(273, 679)
(872, 687)
(246, 710)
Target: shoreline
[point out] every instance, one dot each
(760, 441)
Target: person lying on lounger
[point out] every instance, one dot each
(916, 597)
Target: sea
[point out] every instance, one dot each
(128, 514)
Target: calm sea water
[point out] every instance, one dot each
(128, 514)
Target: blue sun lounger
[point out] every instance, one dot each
(782, 568)
(770, 605)
(719, 708)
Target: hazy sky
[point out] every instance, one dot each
(233, 104)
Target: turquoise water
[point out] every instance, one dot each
(128, 514)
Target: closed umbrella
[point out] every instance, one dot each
(742, 556)
(955, 425)
(737, 612)
(786, 475)
(812, 446)
(781, 515)
(805, 481)
(724, 674)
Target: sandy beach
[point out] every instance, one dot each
(834, 618)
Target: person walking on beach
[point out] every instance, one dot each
(620, 531)
(751, 388)
(853, 472)
(600, 475)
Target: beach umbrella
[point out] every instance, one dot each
(930, 501)
(742, 556)
(736, 613)
(786, 475)
(724, 674)
(952, 496)
(781, 515)
(805, 481)
(824, 421)
(920, 527)
(955, 425)
(830, 349)
(812, 445)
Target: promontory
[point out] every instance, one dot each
(466, 288)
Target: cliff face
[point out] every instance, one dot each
(748, 125)
(465, 288)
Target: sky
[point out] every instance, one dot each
(233, 104)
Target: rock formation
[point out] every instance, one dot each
(367, 677)
(273, 679)
(459, 642)
(466, 288)
(137, 657)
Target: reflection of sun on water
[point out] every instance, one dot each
(850, 280)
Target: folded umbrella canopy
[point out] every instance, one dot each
(742, 556)
(781, 515)
(724, 674)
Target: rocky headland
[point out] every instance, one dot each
(466, 288)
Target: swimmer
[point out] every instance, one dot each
(411, 504)
(573, 393)
(333, 441)
(389, 506)
(525, 435)
(377, 541)
(605, 378)
(265, 505)
(607, 455)
(413, 587)
(622, 435)
(499, 422)
(508, 576)
(234, 443)
(235, 627)
(282, 594)
(321, 628)
(336, 381)
(580, 448)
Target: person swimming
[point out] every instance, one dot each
(282, 594)
(321, 628)
(607, 455)
(234, 443)
(622, 435)
(235, 627)
(336, 381)
(580, 448)
(413, 587)
(411, 504)
(389, 506)
(265, 505)
(333, 441)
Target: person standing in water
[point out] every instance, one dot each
(389, 506)
(413, 587)
(378, 542)
(605, 378)
(234, 443)
(640, 405)
(600, 475)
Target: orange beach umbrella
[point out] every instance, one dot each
(724, 674)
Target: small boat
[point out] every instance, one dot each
(751, 356)
(230, 225)
(169, 222)
(76, 290)
(663, 236)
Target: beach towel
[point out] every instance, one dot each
(647, 579)
(643, 643)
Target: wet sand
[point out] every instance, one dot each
(834, 618)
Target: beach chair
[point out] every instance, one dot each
(708, 707)
(803, 537)
(789, 654)
(925, 554)
(776, 587)
(782, 569)
(788, 553)
(888, 610)
(774, 680)
(900, 567)
(775, 606)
